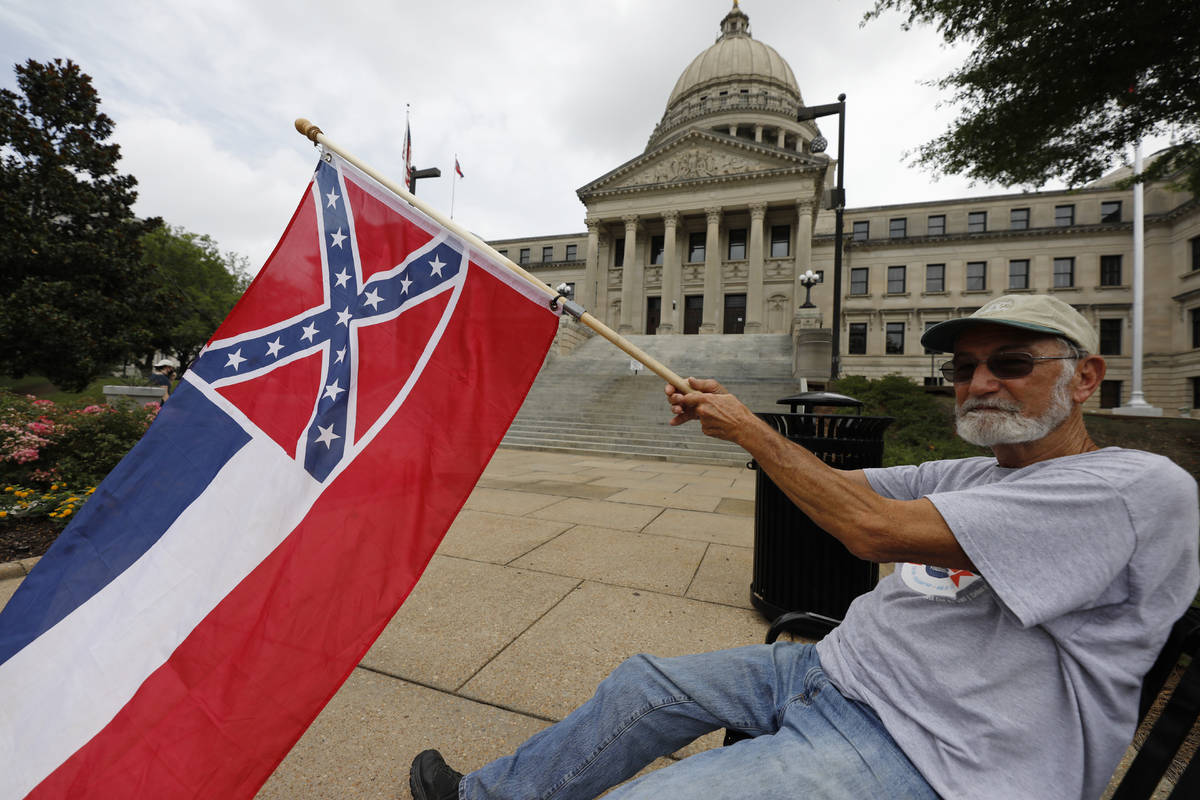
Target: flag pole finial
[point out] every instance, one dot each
(307, 129)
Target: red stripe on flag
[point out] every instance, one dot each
(222, 712)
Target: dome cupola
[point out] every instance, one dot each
(737, 81)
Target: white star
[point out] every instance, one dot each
(333, 390)
(338, 238)
(340, 355)
(310, 330)
(405, 283)
(344, 317)
(436, 266)
(327, 436)
(333, 198)
(342, 276)
(274, 347)
(373, 299)
(235, 360)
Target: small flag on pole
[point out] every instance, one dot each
(457, 168)
(408, 167)
(233, 569)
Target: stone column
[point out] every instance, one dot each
(712, 271)
(758, 133)
(629, 285)
(592, 290)
(803, 261)
(754, 282)
(672, 267)
(733, 130)
(782, 138)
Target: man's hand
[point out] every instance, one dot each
(721, 415)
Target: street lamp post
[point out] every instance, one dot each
(808, 280)
(838, 203)
(431, 172)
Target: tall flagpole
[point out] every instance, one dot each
(453, 185)
(1137, 402)
(317, 136)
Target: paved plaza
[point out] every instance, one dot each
(557, 569)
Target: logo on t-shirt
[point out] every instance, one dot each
(949, 584)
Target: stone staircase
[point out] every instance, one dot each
(590, 400)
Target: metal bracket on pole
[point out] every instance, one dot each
(568, 306)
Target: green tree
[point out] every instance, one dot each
(1062, 88)
(71, 283)
(199, 285)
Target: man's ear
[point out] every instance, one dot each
(1089, 372)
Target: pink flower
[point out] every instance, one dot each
(43, 402)
(93, 409)
(39, 427)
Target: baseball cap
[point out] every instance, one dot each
(162, 362)
(1032, 312)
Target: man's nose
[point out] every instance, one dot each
(982, 380)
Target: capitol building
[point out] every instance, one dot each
(712, 227)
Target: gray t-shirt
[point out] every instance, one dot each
(1023, 681)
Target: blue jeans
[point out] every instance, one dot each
(810, 741)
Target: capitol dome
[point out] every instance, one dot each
(738, 80)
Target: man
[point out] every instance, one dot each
(1008, 668)
(163, 372)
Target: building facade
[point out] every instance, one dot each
(709, 230)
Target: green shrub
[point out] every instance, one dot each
(924, 426)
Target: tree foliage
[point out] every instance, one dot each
(71, 282)
(199, 285)
(1062, 88)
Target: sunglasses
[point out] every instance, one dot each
(1002, 365)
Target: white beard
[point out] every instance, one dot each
(1003, 422)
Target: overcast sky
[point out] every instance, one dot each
(537, 97)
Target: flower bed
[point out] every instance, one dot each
(52, 455)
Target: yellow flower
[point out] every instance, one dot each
(3, 514)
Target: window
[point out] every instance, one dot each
(1110, 270)
(1110, 211)
(935, 277)
(820, 275)
(524, 259)
(1110, 336)
(1064, 215)
(503, 253)
(781, 238)
(937, 225)
(696, 244)
(656, 249)
(858, 280)
(619, 252)
(547, 254)
(1064, 273)
(976, 222)
(572, 252)
(976, 276)
(862, 231)
(896, 280)
(1195, 315)
(1110, 394)
(737, 244)
(929, 325)
(898, 228)
(858, 338)
(894, 341)
(1195, 243)
(1018, 273)
(1018, 219)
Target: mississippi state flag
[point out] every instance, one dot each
(228, 575)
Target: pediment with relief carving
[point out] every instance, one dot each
(694, 162)
(699, 156)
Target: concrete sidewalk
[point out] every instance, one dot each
(557, 569)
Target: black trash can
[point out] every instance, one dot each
(798, 567)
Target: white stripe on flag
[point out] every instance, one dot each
(64, 687)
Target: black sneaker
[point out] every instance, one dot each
(430, 778)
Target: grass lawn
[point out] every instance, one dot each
(38, 386)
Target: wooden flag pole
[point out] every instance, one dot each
(317, 136)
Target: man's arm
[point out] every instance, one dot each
(871, 526)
